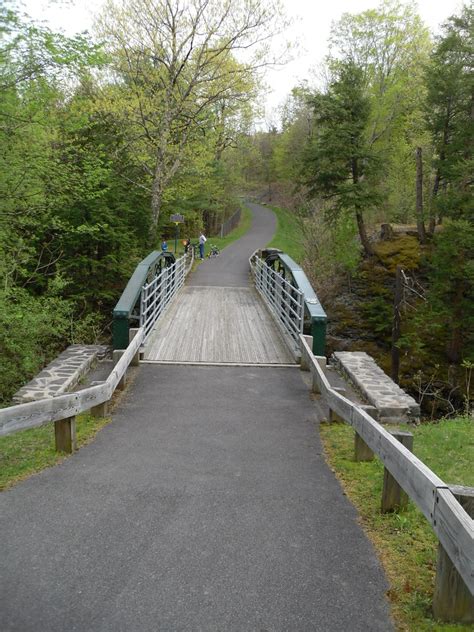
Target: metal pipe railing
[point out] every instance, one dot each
(156, 295)
(284, 301)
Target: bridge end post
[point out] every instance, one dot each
(120, 330)
(318, 333)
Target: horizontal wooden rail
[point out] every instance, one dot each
(452, 525)
(32, 414)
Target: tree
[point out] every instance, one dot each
(175, 61)
(450, 115)
(390, 45)
(341, 164)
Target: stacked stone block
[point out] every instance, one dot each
(392, 403)
(62, 374)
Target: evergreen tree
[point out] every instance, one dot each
(450, 115)
(341, 165)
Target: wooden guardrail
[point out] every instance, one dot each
(63, 409)
(453, 526)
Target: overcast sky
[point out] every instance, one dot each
(311, 25)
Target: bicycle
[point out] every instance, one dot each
(213, 251)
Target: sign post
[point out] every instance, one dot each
(177, 219)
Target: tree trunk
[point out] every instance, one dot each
(420, 222)
(455, 343)
(156, 201)
(432, 223)
(369, 251)
(396, 326)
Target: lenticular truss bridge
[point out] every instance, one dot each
(207, 503)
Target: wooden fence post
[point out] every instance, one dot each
(362, 452)
(321, 360)
(65, 435)
(132, 332)
(304, 361)
(101, 410)
(393, 496)
(452, 599)
(118, 353)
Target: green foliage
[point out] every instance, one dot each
(33, 330)
(288, 235)
(449, 115)
(451, 293)
(340, 164)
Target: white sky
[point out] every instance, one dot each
(311, 25)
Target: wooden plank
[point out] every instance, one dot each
(305, 358)
(122, 365)
(132, 332)
(453, 526)
(212, 325)
(339, 404)
(32, 414)
(455, 530)
(393, 495)
(412, 474)
(320, 381)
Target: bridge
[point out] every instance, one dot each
(207, 503)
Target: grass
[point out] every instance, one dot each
(405, 542)
(288, 235)
(238, 232)
(221, 242)
(30, 451)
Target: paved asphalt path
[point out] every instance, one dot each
(231, 267)
(206, 505)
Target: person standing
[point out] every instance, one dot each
(202, 241)
(164, 245)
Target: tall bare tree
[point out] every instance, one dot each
(177, 59)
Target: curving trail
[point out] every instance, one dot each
(206, 506)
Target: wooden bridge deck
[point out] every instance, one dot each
(218, 325)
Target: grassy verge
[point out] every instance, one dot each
(288, 235)
(405, 542)
(221, 242)
(25, 453)
(238, 232)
